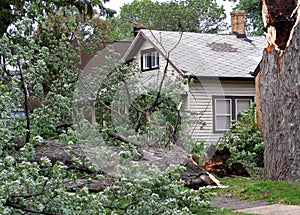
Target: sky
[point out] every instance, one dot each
(117, 4)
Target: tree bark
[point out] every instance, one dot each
(195, 176)
(280, 103)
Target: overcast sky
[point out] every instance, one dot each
(117, 4)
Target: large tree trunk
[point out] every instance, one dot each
(195, 176)
(280, 103)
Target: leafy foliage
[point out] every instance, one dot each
(42, 188)
(163, 194)
(166, 109)
(177, 15)
(38, 72)
(130, 104)
(13, 10)
(244, 139)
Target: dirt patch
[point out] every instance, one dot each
(236, 203)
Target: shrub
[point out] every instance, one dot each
(244, 139)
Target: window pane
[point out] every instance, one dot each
(17, 113)
(154, 59)
(242, 104)
(223, 106)
(146, 61)
(222, 122)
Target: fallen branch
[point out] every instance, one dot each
(26, 209)
(128, 140)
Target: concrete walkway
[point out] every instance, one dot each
(255, 207)
(275, 209)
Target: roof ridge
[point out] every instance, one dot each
(189, 32)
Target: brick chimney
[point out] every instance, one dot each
(238, 23)
(137, 28)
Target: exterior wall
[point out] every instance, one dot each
(200, 100)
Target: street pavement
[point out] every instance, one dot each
(275, 209)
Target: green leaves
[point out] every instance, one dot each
(38, 72)
(161, 194)
(185, 15)
(244, 139)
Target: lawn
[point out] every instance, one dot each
(253, 189)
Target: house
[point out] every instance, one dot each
(219, 65)
(97, 58)
(91, 62)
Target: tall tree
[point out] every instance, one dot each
(176, 15)
(40, 39)
(13, 10)
(280, 92)
(254, 22)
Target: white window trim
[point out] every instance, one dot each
(154, 59)
(233, 109)
(216, 115)
(145, 61)
(149, 59)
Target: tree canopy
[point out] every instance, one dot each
(177, 15)
(13, 10)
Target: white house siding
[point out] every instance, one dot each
(200, 101)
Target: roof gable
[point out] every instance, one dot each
(98, 58)
(204, 55)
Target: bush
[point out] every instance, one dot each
(244, 139)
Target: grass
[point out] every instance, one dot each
(270, 191)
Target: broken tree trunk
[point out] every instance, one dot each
(194, 175)
(280, 90)
(218, 166)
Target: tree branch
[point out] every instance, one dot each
(26, 102)
(24, 208)
(32, 195)
(127, 140)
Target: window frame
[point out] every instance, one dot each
(216, 115)
(233, 109)
(236, 104)
(149, 56)
(145, 58)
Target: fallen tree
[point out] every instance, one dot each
(195, 176)
(162, 157)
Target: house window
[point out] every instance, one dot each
(150, 59)
(242, 104)
(226, 108)
(17, 113)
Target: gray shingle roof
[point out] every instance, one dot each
(207, 55)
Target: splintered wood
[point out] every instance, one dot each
(218, 166)
(280, 18)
